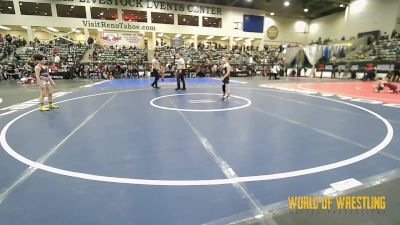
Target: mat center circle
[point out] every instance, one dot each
(199, 102)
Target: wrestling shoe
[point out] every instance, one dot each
(43, 108)
(53, 106)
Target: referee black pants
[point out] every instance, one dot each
(156, 78)
(180, 77)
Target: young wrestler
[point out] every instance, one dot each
(226, 71)
(45, 83)
(379, 85)
(392, 87)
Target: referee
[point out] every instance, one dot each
(181, 66)
(155, 65)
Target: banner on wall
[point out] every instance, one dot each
(126, 39)
(131, 38)
(110, 38)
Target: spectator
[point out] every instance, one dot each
(2, 69)
(274, 72)
(334, 66)
(394, 34)
(370, 72)
(282, 65)
(8, 39)
(90, 42)
(57, 59)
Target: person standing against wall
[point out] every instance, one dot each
(181, 66)
(334, 67)
(282, 65)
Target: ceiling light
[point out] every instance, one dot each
(341, 5)
(249, 0)
(4, 28)
(25, 27)
(53, 29)
(100, 30)
(272, 14)
(9, 7)
(224, 38)
(210, 37)
(286, 3)
(306, 10)
(238, 39)
(177, 35)
(160, 34)
(193, 37)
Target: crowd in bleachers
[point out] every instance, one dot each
(59, 55)
(9, 45)
(111, 61)
(383, 48)
(206, 60)
(121, 61)
(122, 55)
(110, 70)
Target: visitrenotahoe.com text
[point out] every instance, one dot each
(120, 25)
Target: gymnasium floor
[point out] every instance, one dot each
(122, 153)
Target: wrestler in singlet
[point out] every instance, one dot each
(44, 74)
(45, 83)
(225, 79)
(391, 86)
(225, 71)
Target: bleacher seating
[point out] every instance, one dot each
(119, 55)
(69, 54)
(383, 50)
(7, 50)
(213, 56)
